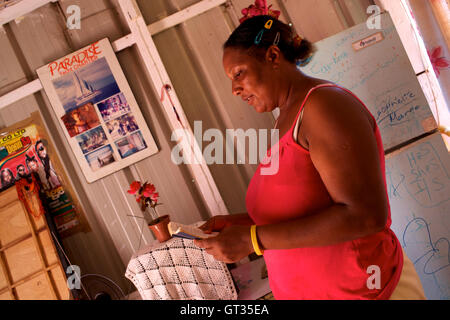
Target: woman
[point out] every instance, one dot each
(80, 124)
(7, 178)
(323, 219)
(49, 179)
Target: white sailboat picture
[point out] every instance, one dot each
(84, 91)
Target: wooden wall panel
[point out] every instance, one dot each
(95, 27)
(3, 281)
(88, 8)
(22, 259)
(36, 288)
(314, 19)
(11, 75)
(40, 35)
(357, 9)
(6, 296)
(13, 224)
(58, 277)
(47, 247)
(25, 262)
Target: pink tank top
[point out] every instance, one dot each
(337, 271)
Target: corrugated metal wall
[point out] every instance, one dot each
(192, 54)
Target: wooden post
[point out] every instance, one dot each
(182, 131)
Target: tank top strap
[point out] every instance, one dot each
(295, 126)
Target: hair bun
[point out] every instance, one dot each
(304, 52)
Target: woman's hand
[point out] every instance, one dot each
(230, 245)
(218, 223)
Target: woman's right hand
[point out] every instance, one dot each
(216, 223)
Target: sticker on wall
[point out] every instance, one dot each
(97, 110)
(367, 42)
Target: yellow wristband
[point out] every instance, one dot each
(255, 240)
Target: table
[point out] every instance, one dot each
(178, 270)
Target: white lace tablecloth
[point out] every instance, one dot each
(178, 270)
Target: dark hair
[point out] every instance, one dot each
(243, 37)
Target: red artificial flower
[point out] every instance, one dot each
(258, 9)
(134, 187)
(148, 190)
(154, 197)
(437, 60)
(145, 194)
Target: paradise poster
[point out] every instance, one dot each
(97, 110)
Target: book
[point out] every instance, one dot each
(188, 231)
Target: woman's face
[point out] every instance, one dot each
(6, 176)
(33, 166)
(41, 151)
(21, 170)
(251, 79)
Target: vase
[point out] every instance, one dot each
(160, 229)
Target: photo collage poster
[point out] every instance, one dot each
(24, 151)
(97, 110)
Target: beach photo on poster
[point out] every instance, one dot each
(92, 140)
(92, 83)
(122, 126)
(131, 144)
(80, 119)
(113, 106)
(100, 158)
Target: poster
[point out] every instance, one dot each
(97, 110)
(24, 151)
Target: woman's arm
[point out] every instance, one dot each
(343, 149)
(218, 223)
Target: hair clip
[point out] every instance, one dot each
(259, 37)
(277, 39)
(267, 26)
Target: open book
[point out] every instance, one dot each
(188, 231)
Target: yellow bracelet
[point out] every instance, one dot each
(255, 240)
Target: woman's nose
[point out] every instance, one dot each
(236, 90)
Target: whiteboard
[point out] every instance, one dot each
(418, 184)
(374, 65)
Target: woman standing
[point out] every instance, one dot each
(323, 220)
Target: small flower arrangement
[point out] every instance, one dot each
(146, 196)
(259, 8)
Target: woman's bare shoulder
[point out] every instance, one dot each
(336, 103)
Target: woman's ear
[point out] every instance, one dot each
(273, 56)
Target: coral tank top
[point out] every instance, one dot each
(339, 271)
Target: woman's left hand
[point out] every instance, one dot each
(230, 245)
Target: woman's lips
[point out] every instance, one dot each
(247, 99)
